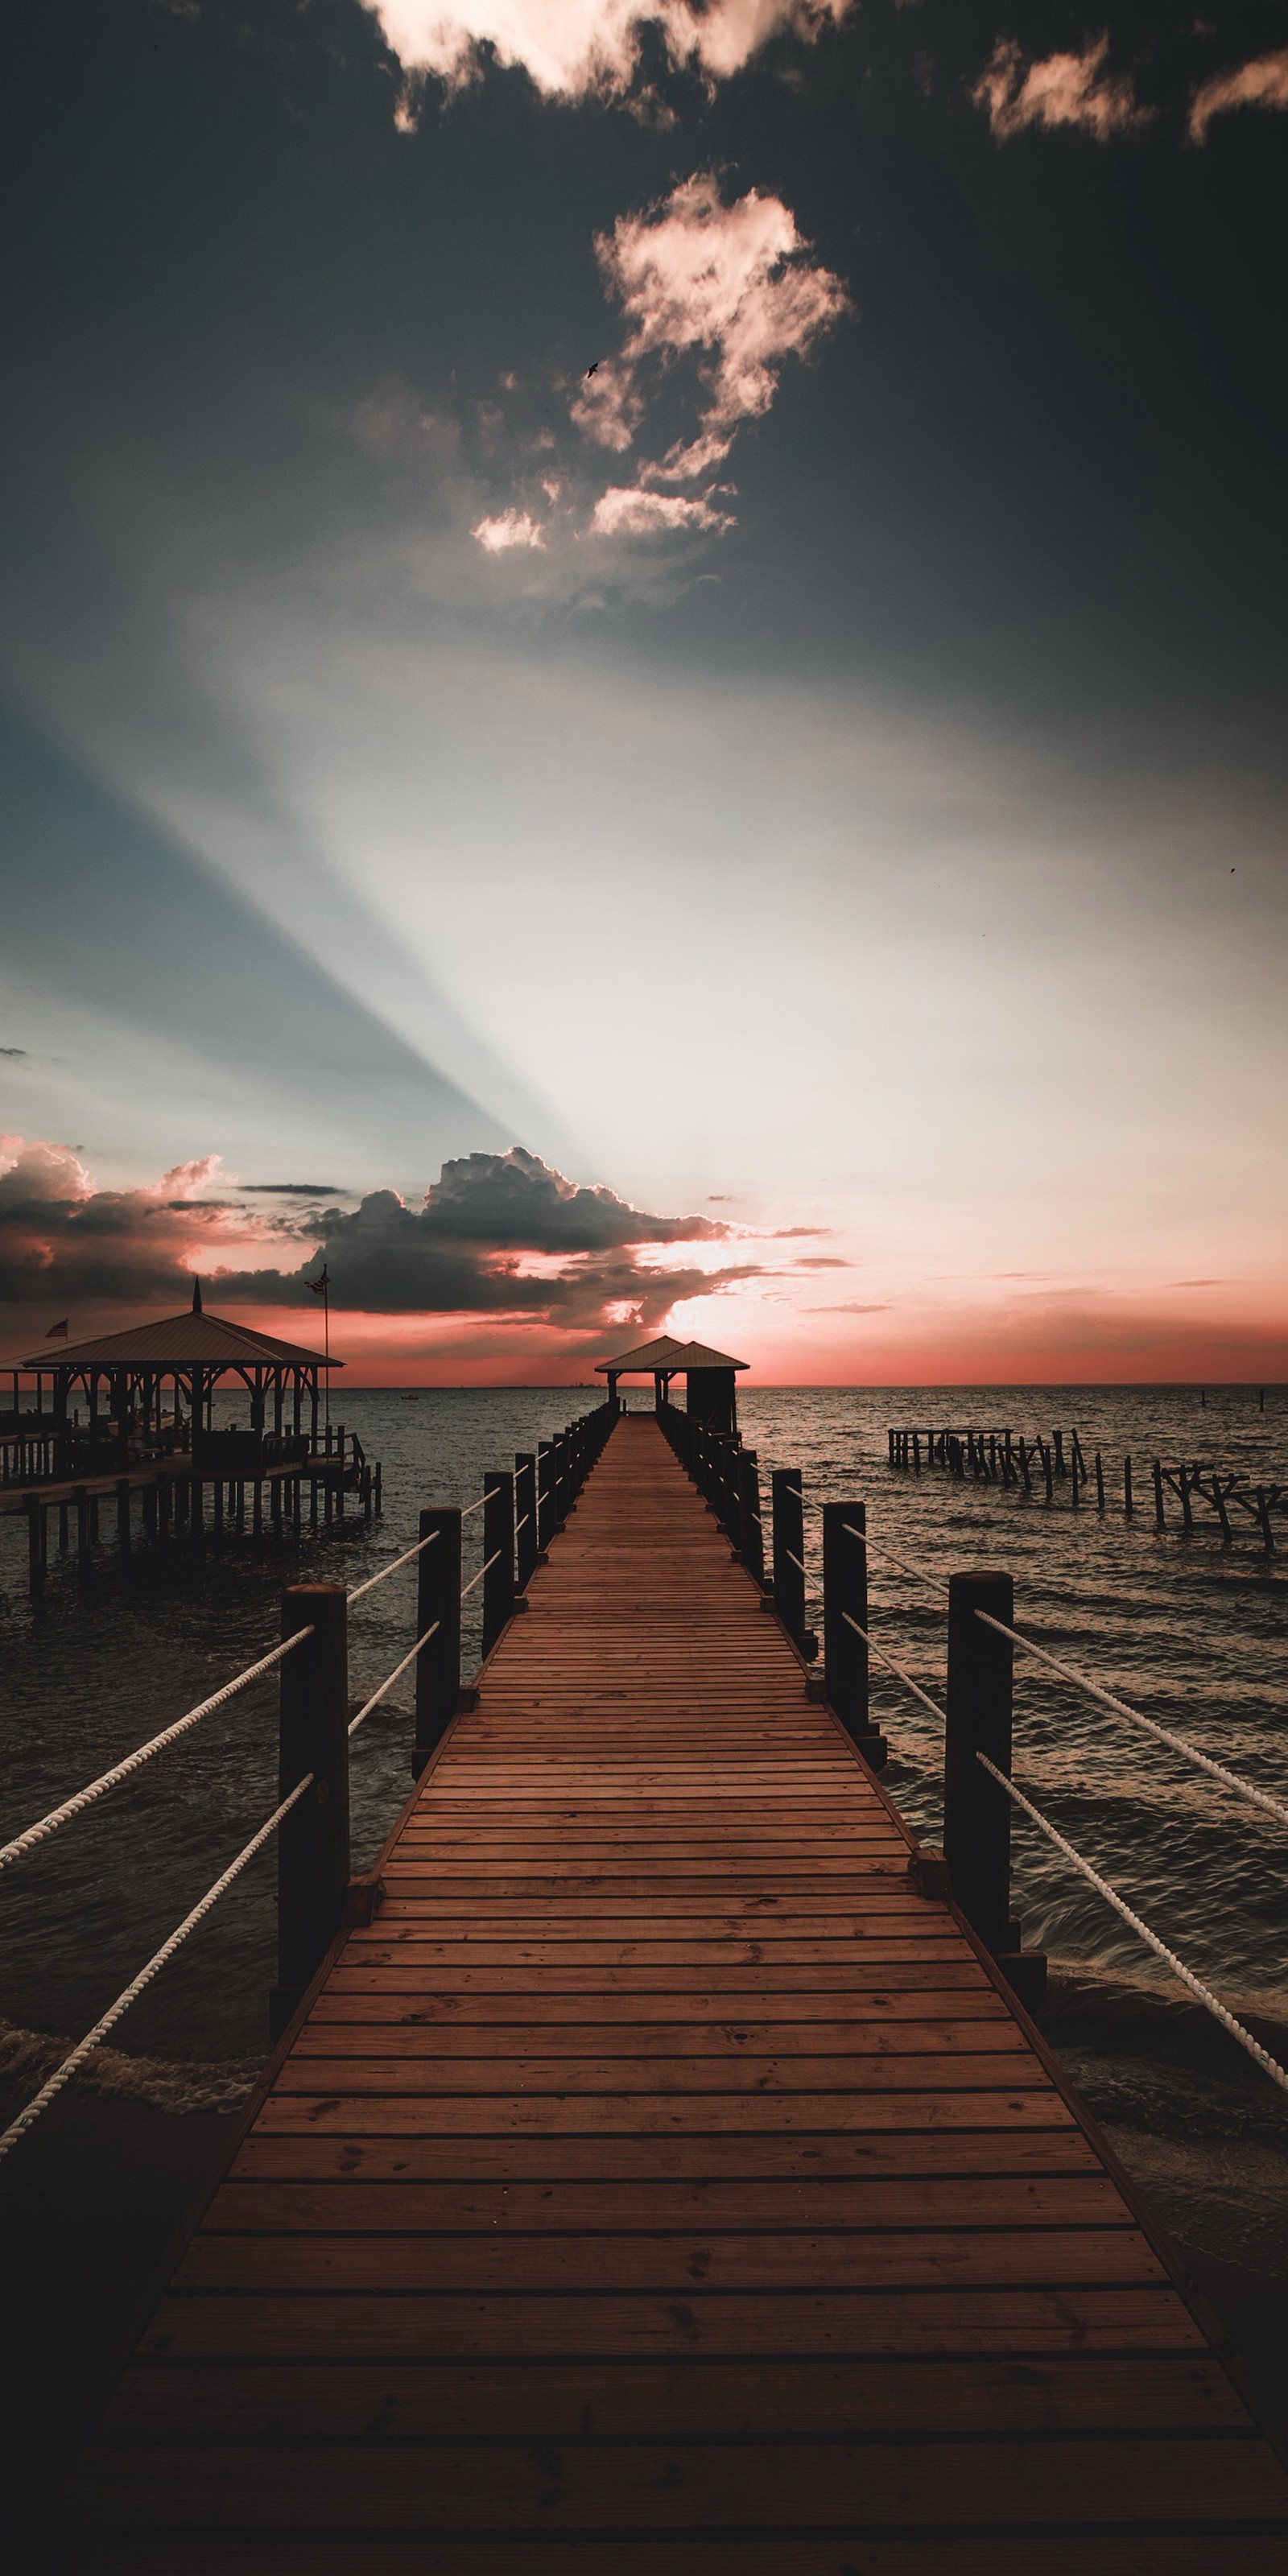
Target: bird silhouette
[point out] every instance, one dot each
(593, 371)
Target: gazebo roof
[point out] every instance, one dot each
(667, 1353)
(177, 1341)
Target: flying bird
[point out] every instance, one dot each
(593, 371)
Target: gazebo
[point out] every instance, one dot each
(125, 1377)
(708, 1376)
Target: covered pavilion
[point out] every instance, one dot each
(709, 1389)
(125, 1377)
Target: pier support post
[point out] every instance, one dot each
(977, 1812)
(313, 1841)
(547, 1523)
(498, 1544)
(845, 1613)
(35, 1549)
(789, 1559)
(751, 1536)
(438, 1600)
(525, 1511)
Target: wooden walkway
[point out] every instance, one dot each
(659, 2186)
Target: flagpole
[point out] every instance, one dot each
(326, 1344)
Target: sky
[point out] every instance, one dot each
(642, 682)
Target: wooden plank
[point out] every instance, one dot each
(968, 2154)
(600, 2203)
(712, 2484)
(778, 2400)
(780, 2553)
(902, 2322)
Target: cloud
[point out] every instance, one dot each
(291, 1190)
(625, 511)
(574, 48)
(13, 1051)
(726, 285)
(62, 1239)
(1263, 83)
(511, 528)
(498, 1234)
(1061, 89)
(851, 1307)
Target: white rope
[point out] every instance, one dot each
(395, 1675)
(39, 1832)
(931, 1581)
(392, 1567)
(1121, 1708)
(474, 1507)
(494, 1559)
(1269, 2065)
(93, 2038)
(905, 1678)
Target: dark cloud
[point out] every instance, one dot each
(516, 1202)
(496, 1234)
(13, 1051)
(291, 1190)
(462, 1250)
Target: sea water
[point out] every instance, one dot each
(1192, 1632)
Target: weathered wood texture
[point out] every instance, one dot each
(660, 2187)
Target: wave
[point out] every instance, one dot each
(174, 2084)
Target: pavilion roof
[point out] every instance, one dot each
(177, 1341)
(667, 1353)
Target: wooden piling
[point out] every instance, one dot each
(498, 1554)
(313, 1840)
(845, 1613)
(977, 1813)
(438, 1606)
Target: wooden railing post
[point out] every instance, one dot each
(525, 1512)
(977, 1814)
(751, 1536)
(546, 1521)
(845, 1611)
(438, 1599)
(789, 1552)
(313, 1840)
(498, 1543)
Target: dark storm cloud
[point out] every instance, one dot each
(462, 1251)
(515, 1200)
(456, 1251)
(62, 1241)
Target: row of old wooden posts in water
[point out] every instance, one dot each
(524, 1510)
(1006, 1458)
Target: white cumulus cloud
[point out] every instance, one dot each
(1061, 89)
(509, 528)
(625, 511)
(1263, 83)
(727, 284)
(571, 47)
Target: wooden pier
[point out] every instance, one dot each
(659, 2184)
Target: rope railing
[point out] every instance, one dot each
(107, 2021)
(892, 1666)
(467, 1588)
(392, 1568)
(1269, 2065)
(46, 1825)
(932, 1582)
(395, 1676)
(1135, 1717)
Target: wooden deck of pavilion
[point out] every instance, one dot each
(660, 2186)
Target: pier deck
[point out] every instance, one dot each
(659, 2186)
